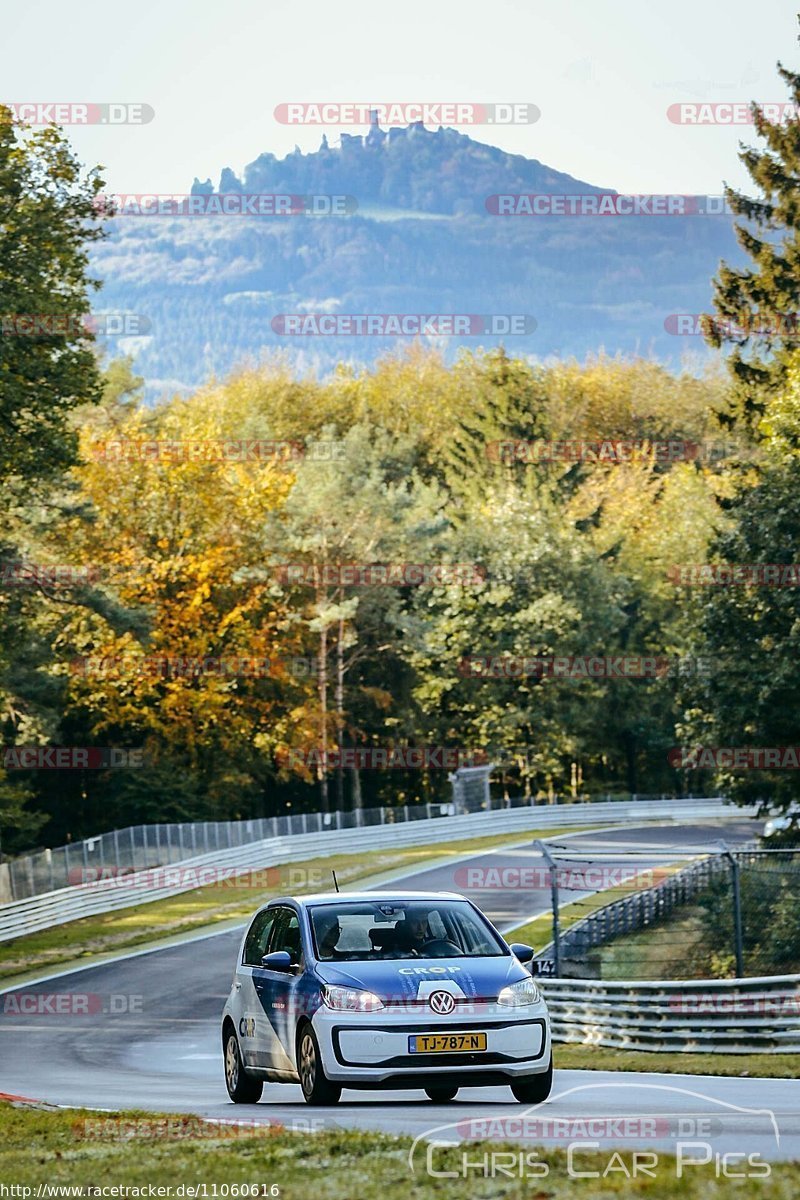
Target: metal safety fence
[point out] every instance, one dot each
(87, 897)
(741, 1016)
(139, 847)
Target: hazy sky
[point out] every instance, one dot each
(603, 73)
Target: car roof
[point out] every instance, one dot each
(361, 897)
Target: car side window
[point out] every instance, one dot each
(286, 935)
(257, 940)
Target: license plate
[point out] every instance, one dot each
(446, 1043)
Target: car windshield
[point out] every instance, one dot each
(401, 929)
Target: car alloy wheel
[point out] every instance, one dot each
(242, 1088)
(317, 1088)
(232, 1064)
(308, 1064)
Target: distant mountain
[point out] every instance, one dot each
(410, 168)
(420, 241)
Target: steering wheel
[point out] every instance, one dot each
(439, 948)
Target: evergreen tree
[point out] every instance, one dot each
(750, 633)
(757, 306)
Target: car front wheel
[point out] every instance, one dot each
(317, 1088)
(533, 1089)
(242, 1088)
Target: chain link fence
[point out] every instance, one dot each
(139, 847)
(732, 914)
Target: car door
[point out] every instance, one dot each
(252, 1021)
(277, 992)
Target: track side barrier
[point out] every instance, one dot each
(88, 899)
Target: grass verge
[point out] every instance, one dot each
(605, 1058)
(51, 1148)
(226, 901)
(687, 945)
(675, 948)
(539, 931)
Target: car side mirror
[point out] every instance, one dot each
(279, 960)
(524, 953)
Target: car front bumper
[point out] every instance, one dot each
(374, 1047)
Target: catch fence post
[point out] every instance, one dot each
(548, 858)
(738, 941)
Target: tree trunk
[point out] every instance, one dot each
(357, 802)
(322, 683)
(629, 741)
(340, 714)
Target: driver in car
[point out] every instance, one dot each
(414, 931)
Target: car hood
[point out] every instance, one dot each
(412, 978)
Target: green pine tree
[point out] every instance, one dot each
(757, 306)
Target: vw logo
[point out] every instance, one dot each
(441, 1003)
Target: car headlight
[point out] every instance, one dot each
(350, 999)
(517, 994)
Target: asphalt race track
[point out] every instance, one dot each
(151, 1039)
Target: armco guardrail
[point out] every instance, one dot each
(88, 899)
(731, 1016)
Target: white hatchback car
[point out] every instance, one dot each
(383, 990)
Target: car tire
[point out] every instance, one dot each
(317, 1088)
(533, 1089)
(441, 1095)
(242, 1088)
